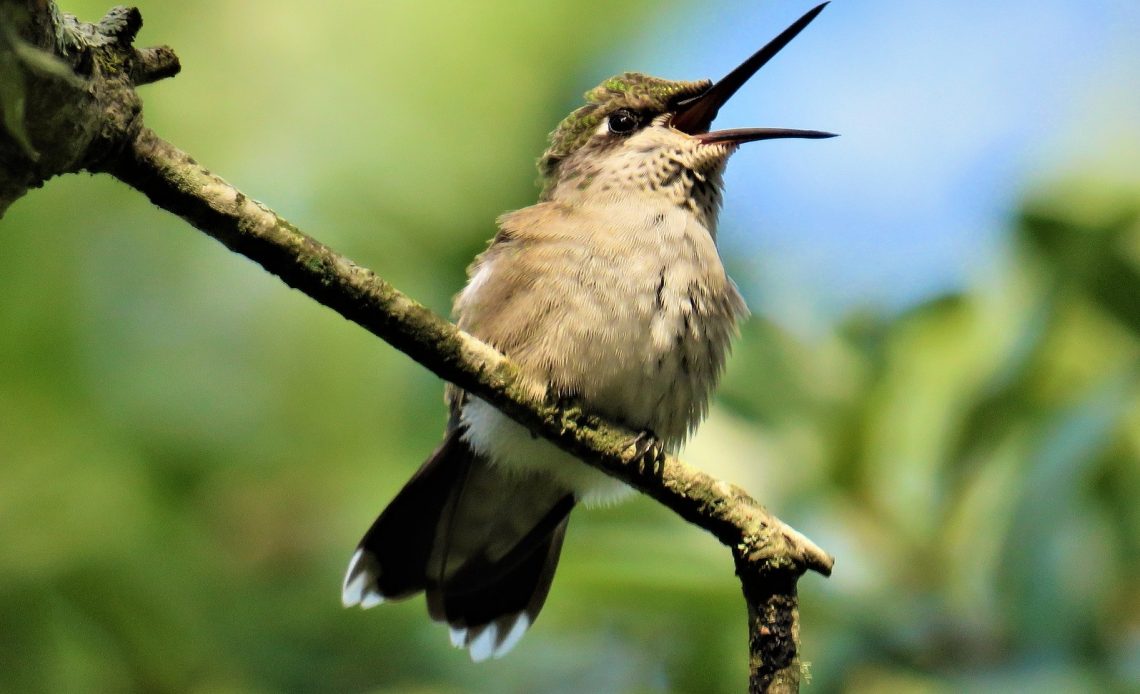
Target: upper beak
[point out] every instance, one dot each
(695, 115)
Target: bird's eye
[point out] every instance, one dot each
(623, 122)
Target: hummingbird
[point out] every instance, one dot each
(609, 292)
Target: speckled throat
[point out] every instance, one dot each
(657, 162)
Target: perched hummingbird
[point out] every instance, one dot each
(610, 292)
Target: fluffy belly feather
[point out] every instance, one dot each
(638, 334)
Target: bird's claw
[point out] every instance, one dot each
(648, 452)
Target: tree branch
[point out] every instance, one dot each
(769, 555)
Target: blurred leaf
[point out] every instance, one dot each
(18, 57)
(1094, 252)
(12, 93)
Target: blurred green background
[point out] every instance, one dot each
(189, 450)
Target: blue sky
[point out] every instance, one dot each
(948, 112)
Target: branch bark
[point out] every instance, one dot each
(91, 120)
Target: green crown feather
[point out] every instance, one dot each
(631, 90)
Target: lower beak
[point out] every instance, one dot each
(739, 136)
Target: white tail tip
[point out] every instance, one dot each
(360, 584)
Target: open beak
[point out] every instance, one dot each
(695, 115)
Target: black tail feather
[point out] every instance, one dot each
(481, 541)
(398, 544)
(491, 618)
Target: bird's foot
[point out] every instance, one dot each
(648, 452)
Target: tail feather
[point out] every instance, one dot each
(390, 561)
(490, 619)
(483, 543)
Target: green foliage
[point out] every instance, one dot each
(189, 451)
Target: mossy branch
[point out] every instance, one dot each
(89, 118)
